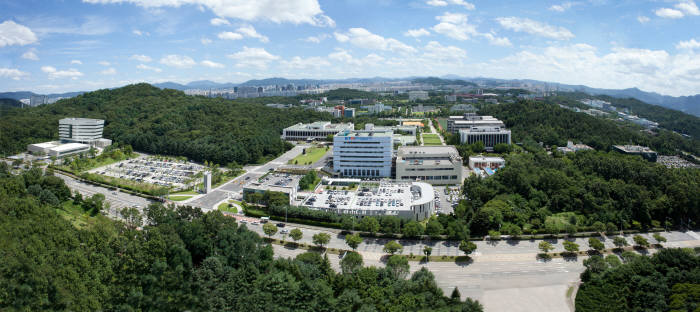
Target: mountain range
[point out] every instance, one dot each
(687, 104)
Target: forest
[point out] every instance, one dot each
(180, 259)
(164, 122)
(669, 280)
(553, 125)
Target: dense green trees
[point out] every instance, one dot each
(182, 259)
(668, 280)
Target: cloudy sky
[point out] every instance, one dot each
(56, 46)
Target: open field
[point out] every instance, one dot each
(312, 155)
(431, 139)
(179, 197)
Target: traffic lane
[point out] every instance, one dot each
(208, 201)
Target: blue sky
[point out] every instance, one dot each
(71, 45)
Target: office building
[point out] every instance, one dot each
(409, 201)
(468, 120)
(643, 151)
(80, 130)
(490, 136)
(485, 166)
(314, 131)
(349, 113)
(571, 147)
(450, 98)
(36, 100)
(438, 165)
(363, 153)
(378, 108)
(57, 149)
(417, 95)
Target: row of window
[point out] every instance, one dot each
(430, 169)
(361, 172)
(428, 178)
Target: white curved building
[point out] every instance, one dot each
(408, 200)
(81, 130)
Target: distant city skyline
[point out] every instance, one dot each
(60, 46)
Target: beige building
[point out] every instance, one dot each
(437, 165)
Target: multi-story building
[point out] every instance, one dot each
(363, 153)
(468, 120)
(315, 131)
(490, 136)
(417, 95)
(430, 164)
(82, 130)
(483, 162)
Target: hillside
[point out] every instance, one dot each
(164, 122)
(441, 82)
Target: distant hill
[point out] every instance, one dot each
(442, 82)
(687, 104)
(18, 95)
(171, 85)
(9, 103)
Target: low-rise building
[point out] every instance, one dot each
(571, 147)
(417, 95)
(468, 120)
(57, 149)
(438, 165)
(482, 162)
(363, 153)
(643, 151)
(315, 131)
(490, 136)
(409, 201)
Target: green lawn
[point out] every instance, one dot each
(431, 139)
(185, 193)
(225, 207)
(313, 154)
(443, 123)
(179, 197)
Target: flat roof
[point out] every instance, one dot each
(387, 196)
(46, 144)
(81, 120)
(487, 158)
(321, 125)
(417, 150)
(69, 147)
(367, 133)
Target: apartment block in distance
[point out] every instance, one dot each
(437, 165)
(314, 131)
(363, 153)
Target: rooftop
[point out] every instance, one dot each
(634, 149)
(366, 133)
(383, 196)
(321, 125)
(69, 147)
(415, 150)
(486, 158)
(73, 119)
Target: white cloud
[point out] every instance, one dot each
(212, 64)
(535, 28)
(249, 31)
(442, 3)
(455, 26)
(109, 71)
(313, 62)
(681, 9)
(180, 61)
(146, 67)
(12, 33)
(30, 55)
(228, 35)
(288, 11)
(316, 39)
(141, 58)
(497, 41)
(343, 56)
(54, 73)
(104, 63)
(76, 62)
(139, 33)
(12, 73)
(219, 21)
(643, 19)
(415, 33)
(689, 44)
(253, 57)
(365, 39)
(562, 7)
(434, 51)
(205, 41)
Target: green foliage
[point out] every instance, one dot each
(467, 247)
(353, 240)
(668, 280)
(659, 238)
(351, 263)
(427, 251)
(545, 246)
(392, 247)
(321, 239)
(595, 244)
(369, 224)
(570, 246)
(308, 181)
(412, 229)
(620, 242)
(296, 234)
(640, 241)
(269, 229)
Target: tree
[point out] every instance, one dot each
(369, 224)
(595, 244)
(353, 240)
(545, 246)
(132, 217)
(47, 197)
(427, 251)
(296, 234)
(494, 235)
(659, 238)
(455, 296)
(467, 247)
(640, 241)
(351, 262)
(570, 246)
(392, 247)
(434, 228)
(269, 229)
(619, 242)
(412, 229)
(321, 239)
(599, 227)
(398, 266)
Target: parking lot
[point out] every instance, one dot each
(446, 198)
(153, 170)
(280, 180)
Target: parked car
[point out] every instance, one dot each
(280, 225)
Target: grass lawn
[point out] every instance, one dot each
(431, 139)
(185, 193)
(313, 154)
(225, 207)
(79, 218)
(179, 197)
(443, 123)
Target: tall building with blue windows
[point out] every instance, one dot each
(363, 153)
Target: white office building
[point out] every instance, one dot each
(469, 120)
(490, 136)
(437, 165)
(81, 130)
(408, 200)
(57, 149)
(315, 131)
(417, 95)
(363, 153)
